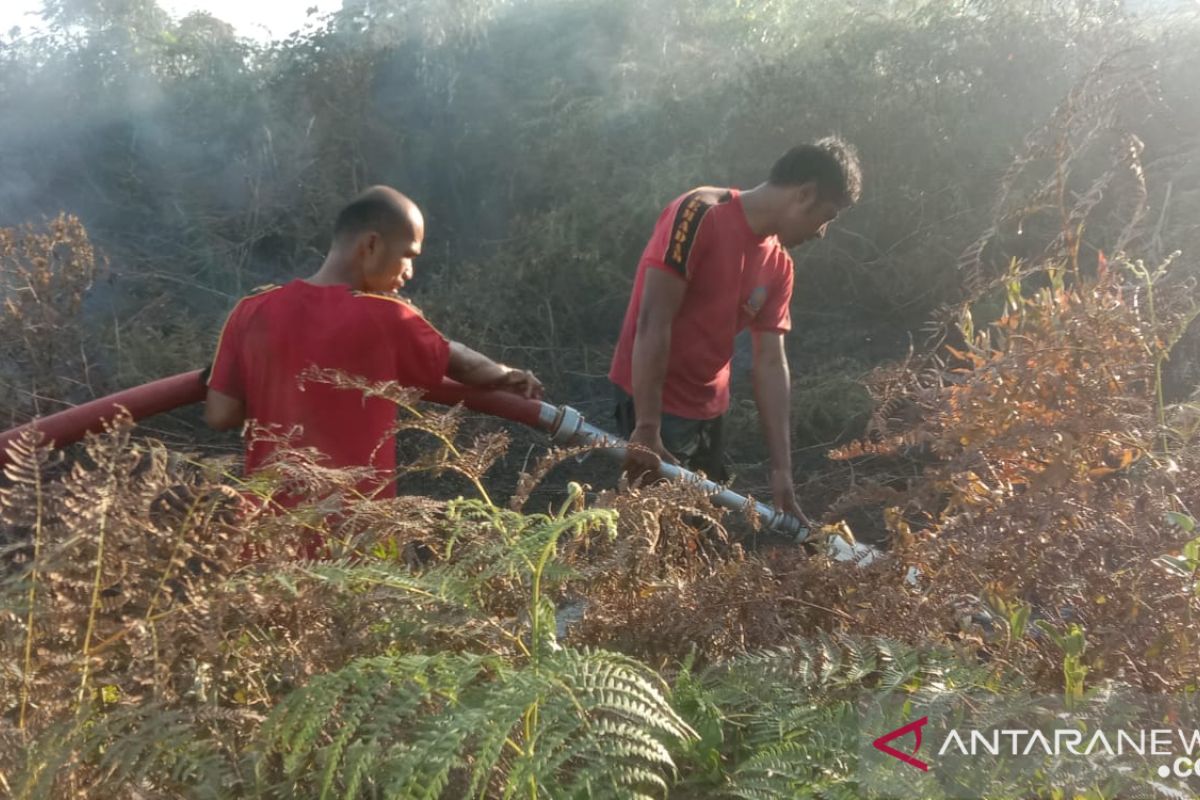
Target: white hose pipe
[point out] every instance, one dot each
(567, 427)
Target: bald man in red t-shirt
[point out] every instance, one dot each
(346, 317)
(716, 264)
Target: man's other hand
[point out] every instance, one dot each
(784, 496)
(646, 453)
(522, 382)
(223, 412)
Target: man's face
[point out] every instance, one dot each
(389, 263)
(806, 216)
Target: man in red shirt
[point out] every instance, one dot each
(346, 317)
(715, 265)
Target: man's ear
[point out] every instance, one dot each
(361, 247)
(806, 195)
(372, 242)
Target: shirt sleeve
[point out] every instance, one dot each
(776, 314)
(681, 237)
(226, 373)
(422, 352)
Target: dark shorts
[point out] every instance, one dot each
(699, 444)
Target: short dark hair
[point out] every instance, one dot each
(378, 209)
(830, 162)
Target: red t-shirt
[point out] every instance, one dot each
(735, 280)
(272, 336)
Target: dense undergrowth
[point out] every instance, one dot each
(162, 640)
(1034, 486)
(542, 138)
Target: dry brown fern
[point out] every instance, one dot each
(45, 273)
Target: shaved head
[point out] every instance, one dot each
(375, 240)
(381, 210)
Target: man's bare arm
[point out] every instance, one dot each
(662, 297)
(475, 369)
(772, 394)
(223, 412)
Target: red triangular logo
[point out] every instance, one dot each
(881, 743)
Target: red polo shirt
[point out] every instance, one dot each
(735, 280)
(272, 336)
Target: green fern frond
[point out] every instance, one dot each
(395, 583)
(791, 714)
(148, 745)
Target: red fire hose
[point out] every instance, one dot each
(565, 425)
(69, 426)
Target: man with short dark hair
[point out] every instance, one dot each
(346, 317)
(715, 265)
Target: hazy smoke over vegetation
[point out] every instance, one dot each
(543, 136)
(1030, 226)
